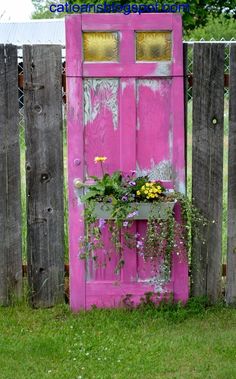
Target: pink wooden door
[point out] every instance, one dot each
(125, 102)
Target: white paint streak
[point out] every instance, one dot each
(162, 69)
(153, 84)
(170, 136)
(179, 181)
(78, 194)
(138, 124)
(165, 87)
(158, 286)
(161, 85)
(123, 86)
(160, 171)
(160, 280)
(181, 187)
(98, 94)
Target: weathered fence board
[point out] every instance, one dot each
(10, 199)
(207, 173)
(231, 257)
(44, 173)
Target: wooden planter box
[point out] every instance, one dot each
(159, 210)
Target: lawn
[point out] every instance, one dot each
(176, 343)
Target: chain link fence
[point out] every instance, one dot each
(21, 90)
(190, 60)
(189, 73)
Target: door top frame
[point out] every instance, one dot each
(126, 26)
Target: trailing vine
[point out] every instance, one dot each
(121, 196)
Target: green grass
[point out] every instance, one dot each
(175, 343)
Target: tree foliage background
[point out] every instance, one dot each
(200, 10)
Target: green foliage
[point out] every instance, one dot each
(215, 28)
(42, 9)
(108, 187)
(122, 194)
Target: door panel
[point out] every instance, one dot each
(129, 107)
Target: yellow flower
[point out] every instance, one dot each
(146, 192)
(100, 159)
(138, 193)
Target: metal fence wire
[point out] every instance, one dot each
(190, 60)
(21, 90)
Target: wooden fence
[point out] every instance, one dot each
(44, 173)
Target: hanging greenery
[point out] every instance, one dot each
(115, 201)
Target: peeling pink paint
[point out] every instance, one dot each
(132, 113)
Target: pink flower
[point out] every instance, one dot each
(130, 215)
(102, 223)
(139, 245)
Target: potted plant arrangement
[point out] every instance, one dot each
(115, 201)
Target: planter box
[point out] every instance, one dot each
(159, 210)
